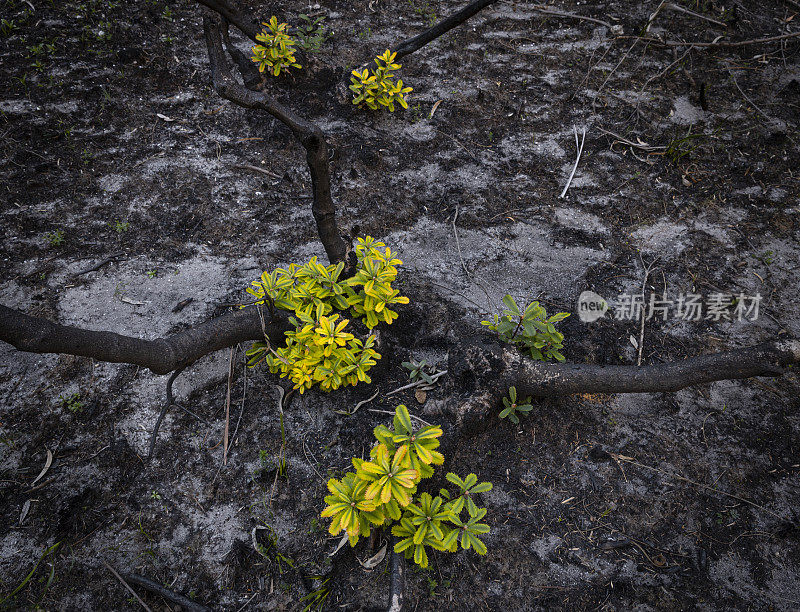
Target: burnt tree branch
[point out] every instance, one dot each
(492, 370)
(161, 355)
(408, 47)
(247, 26)
(250, 74)
(306, 132)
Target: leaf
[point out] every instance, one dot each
(403, 418)
(342, 542)
(511, 305)
(47, 463)
(375, 560)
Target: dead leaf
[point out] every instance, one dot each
(25, 508)
(435, 106)
(341, 543)
(421, 396)
(164, 117)
(634, 342)
(128, 300)
(48, 462)
(375, 560)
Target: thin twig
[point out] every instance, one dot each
(680, 9)
(549, 11)
(247, 603)
(169, 403)
(695, 483)
(630, 143)
(358, 405)
(126, 585)
(227, 409)
(184, 602)
(603, 84)
(100, 264)
(641, 328)
(458, 244)
(715, 43)
(241, 410)
(741, 91)
(577, 159)
(653, 15)
(659, 75)
(419, 383)
(256, 169)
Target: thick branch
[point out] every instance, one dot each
(309, 135)
(161, 355)
(247, 26)
(420, 40)
(491, 367)
(250, 74)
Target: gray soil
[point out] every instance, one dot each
(114, 141)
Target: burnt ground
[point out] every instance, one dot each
(114, 143)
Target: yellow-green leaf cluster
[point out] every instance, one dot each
(376, 88)
(320, 349)
(276, 52)
(382, 491)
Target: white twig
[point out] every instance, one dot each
(419, 383)
(579, 147)
(685, 11)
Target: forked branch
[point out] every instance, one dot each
(247, 26)
(309, 135)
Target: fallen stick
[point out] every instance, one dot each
(577, 160)
(127, 586)
(170, 596)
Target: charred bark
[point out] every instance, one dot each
(456, 19)
(307, 133)
(486, 371)
(162, 355)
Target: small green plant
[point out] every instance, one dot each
(424, 10)
(311, 34)
(316, 599)
(55, 238)
(72, 403)
(121, 226)
(7, 26)
(167, 15)
(152, 273)
(512, 406)
(276, 53)
(419, 371)
(319, 350)
(383, 492)
(683, 146)
(376, 88)
(155, 495)
(530, 329)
